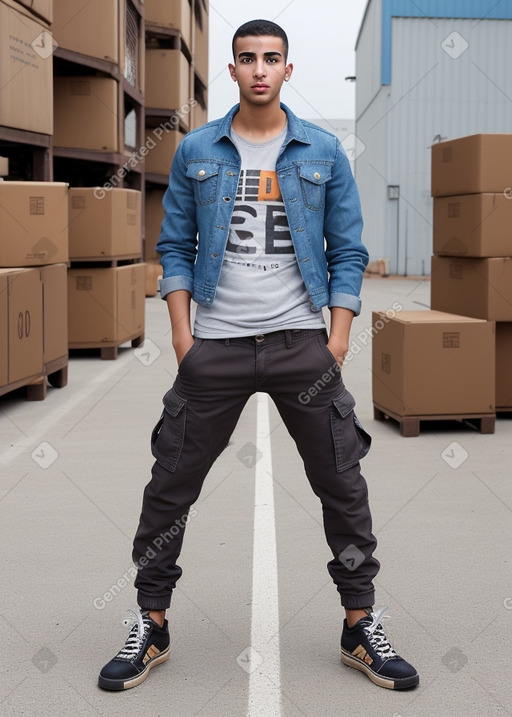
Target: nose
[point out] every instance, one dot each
(259, 68)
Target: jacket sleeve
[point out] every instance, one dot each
(177, 244)
(346, 255)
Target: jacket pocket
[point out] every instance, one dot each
(351, 441)
(312, 183)
(205, 180)
(168, 435)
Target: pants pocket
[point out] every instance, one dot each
(190, 354)
(169, 433)
(351, 441)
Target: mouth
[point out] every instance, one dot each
(260, 86)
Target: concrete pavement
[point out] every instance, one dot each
(72, 473)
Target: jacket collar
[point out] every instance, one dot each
(296, 129)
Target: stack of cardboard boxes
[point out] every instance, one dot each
(90, 110)
(33, 291)
(26, 66)
(106, 281)
(33, 215)
(73, 108)
(454, 360)
(169, 107)
(472, 262)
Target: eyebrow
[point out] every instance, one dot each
(265, 54)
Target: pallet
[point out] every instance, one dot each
(410, 425)
(105, 262)
(35, 385)
(109, 349)
(56, 372)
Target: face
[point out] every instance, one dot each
(260, 68)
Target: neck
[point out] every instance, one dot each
(259, 122)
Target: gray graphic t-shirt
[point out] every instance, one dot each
(260, 287)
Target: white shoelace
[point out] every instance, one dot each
(377, 637)
(136, 636)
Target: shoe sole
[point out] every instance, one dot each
(402, 683)
(118, 685)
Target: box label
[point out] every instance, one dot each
(455, 271)
(78, 201)
(454, 210)
(36, 205)
(83, 283)
(385, 363)
(451, 339)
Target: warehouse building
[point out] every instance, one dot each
(426, 72)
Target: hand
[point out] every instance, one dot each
(181, 346)
(338, 349)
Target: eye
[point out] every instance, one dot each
(272, 60)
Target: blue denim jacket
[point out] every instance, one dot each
(319, 194)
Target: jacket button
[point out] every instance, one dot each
(316, 175)
(201, 173)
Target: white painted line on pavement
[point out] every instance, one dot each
(265, 674)
(72, 401)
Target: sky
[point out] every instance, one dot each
(322, 36)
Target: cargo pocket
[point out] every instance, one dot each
(351, 441)
(169, 433)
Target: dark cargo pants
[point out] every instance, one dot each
(214, 382)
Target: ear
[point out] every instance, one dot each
(288, 72)
(232, 71)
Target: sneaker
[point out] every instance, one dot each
(147, 645)
(366, 647)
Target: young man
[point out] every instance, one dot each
(262, 229)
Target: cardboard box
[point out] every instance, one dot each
(200, 42)
(199, 115)
(106, 306)
(90, 27)
(153, 273)
(167, 79)
(104, 224)
(477, 225)
(159, 158)
(26, 70)
(503, 365)
(154, 214)
(176, 15)
(472, 287)
(55, 312)
(21, 325)
(429, 363)
(86, 113)
(33, 223)
(476, 164)
(41, 8)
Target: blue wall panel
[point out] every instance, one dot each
(478, 9)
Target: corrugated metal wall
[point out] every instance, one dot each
(368, 57)
(450, 78)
